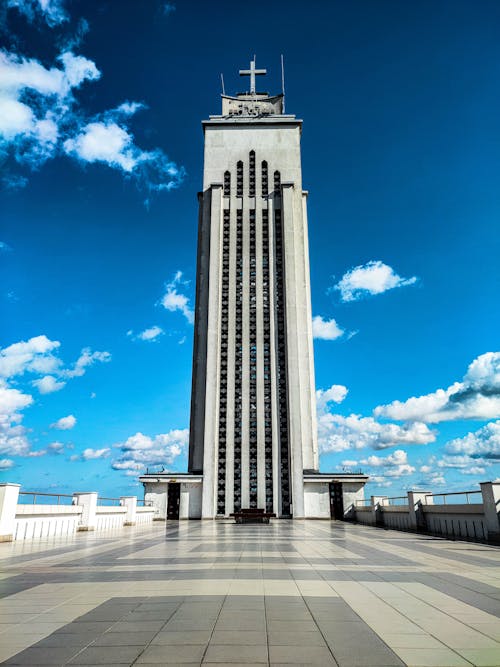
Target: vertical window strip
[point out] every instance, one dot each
(239, 179)
(253, 363)
(238, 359)
(264, 179)
(268, 437)
(221, 478)
(251, 175)
(227, 184)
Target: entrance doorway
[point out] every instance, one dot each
(173, 500)
(336, 501)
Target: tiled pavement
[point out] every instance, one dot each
(290, 593)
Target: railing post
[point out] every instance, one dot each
(491, 507)
(9, 494)
(88, 518)
(130, 502)
(378, 515)
(416, 514)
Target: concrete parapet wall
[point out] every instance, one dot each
(32, 521)
(475, 521)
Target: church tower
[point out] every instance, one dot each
(253, 435)
(253, 410)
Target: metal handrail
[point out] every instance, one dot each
(115, 500)
(452, 493)
(145, 503)
(35, 494)
(365, 502)
(405, 498)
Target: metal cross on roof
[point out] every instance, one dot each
(252, 72)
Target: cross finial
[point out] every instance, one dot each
(252, 72)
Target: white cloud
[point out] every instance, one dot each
(40, 118)
(477, 396)
(87, 358)
(150, 334)
(374, 277)
(173, 300)
(326, 329)
(395, 465)
(91, 454)
(484, 443)
(5, 464)
(337, 433)
(48, 384)
(140, 451)
(335, 394)
(33, 355)
(13, 440)
(65, 423)
(55, 447)
(52, 11)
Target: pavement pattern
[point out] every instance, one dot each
(215, 593)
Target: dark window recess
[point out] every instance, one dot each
(277, 183)
(264, 176)
(227, 184)
(251, 175)
(238, 359)
(281, 380)
(268, 441)
(239, 179)
(221, 476)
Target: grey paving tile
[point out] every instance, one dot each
(105, 655)
(172, 655)
(308, 655)
(43, 656)
(238, 654)
(124, 638)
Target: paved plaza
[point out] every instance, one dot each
(288, 593)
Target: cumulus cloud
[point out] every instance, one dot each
(91, 454)
(13, 439)
(40, 115)
(48, 384)
(374, 277)
(337, 433)
(52, 11)
(65, 423)
(335, 394)
(326, 329)
(87, 358)
(33, 355)
(477, 396)
(140, 451)
(481, 444)
(174, 300)
(395, 465)
(151, 334)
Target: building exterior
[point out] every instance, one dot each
(253, 428)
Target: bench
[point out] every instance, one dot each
(252, 516)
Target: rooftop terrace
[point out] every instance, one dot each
(288, 593)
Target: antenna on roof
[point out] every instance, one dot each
(283, 81)
(222, 81)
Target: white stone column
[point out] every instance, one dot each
(261, 454)
(130, 502)
(245, 375)
(491, 507)
(88, 517)
(9, 494)
(213, 350)
(416, 516)
(295, 414)
(231, 352)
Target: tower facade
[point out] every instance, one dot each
(253, 411)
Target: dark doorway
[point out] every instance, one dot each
(336, 501)
(173, 500)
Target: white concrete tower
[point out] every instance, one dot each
(253, 410)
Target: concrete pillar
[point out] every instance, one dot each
(491, 507)
(416, 515)
(88, 500)
(9, 494)
(130, 502)
(377, 503)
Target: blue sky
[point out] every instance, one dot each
(101, 146)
